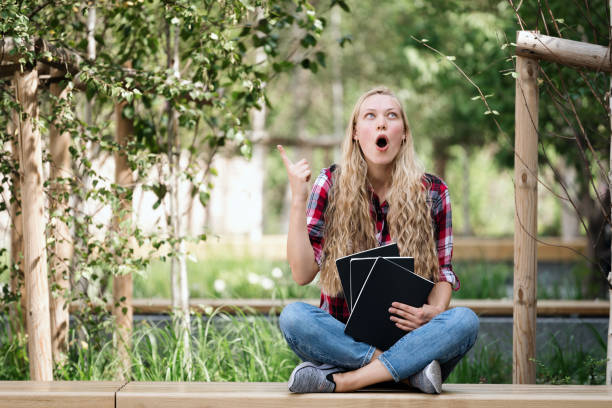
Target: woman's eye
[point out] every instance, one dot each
(393, 115)
(369, 115)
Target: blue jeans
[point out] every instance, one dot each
(315, 335)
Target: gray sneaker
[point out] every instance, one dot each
(429, 379)
(310, 377)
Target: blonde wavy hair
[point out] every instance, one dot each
(350, 228)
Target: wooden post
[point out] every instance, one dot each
(122, 284)
(35, 256)
(59, 144)
(18, 317)
(525, 221)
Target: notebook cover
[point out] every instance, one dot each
(360, 268)
(344, 265)
(386, 283)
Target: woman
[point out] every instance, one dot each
(378, 195)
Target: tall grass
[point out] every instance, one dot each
(224, 348)
(251, 348)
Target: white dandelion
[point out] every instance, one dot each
(253, 278)
(219, 285)
(267, 283)
(277, 273)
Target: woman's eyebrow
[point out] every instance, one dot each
(374, 109)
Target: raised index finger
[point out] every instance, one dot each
(286, 160)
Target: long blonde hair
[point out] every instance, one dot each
(349, 227)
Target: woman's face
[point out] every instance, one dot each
(379, 129)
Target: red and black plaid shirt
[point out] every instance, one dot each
(439, 199)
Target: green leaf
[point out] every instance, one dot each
(204, 197)
(308, 41)
(320, 58)
(342, 5)
(345, 39)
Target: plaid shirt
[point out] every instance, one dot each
(440, 213)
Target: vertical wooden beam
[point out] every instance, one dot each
(18, 317)
(35, 256)
(60, 259)
(122, 284)
(525, 221)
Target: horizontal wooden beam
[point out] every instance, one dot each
(482, 307)
(58, 57)
(566, 52)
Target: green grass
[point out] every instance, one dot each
(487, 365)
(226, 277)
(483, 280)
(252, 349)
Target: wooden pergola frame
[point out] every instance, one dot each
(530, 48)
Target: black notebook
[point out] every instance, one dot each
(387, 282)
(344, 265)
(360, 268)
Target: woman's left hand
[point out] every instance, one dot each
(409, 318)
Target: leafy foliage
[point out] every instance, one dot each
(221, 81)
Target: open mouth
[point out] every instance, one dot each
(382, 142)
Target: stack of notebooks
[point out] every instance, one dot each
(371, 281)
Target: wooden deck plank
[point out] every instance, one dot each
(17, 394)
(60, 394)
(485, 307)
(255, 395)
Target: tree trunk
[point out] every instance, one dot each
(17, 313)
(178, 264)
(337, 88)
(35, 256)
(258, 160)
(122, 284)
(59, 144)
(609, 364)
(92, 151)
(174, 267)
(441, 158)
(570, 225)
(465, 199)
(91, 55)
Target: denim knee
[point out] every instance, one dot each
(292, 318)
(469, 323)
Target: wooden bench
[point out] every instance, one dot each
(481, 307)
(60, 394)
(255, 395)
